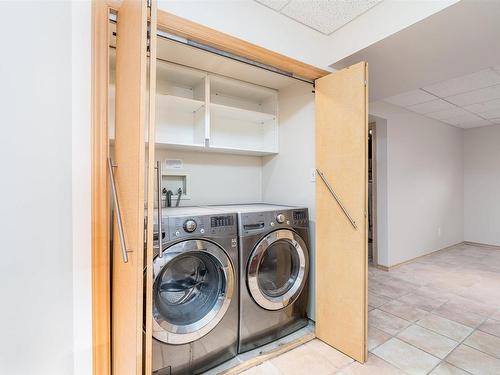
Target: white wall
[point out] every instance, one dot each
(482, 184)
(218, 178)
(36, 318)
(81, 187)
(286, 177)
(424, 184)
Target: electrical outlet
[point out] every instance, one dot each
(312, 177)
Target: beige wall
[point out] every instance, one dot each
(424, 184)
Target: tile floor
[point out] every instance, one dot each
(437, 315)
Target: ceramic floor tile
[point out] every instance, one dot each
(474, 361)
(491, 326)
(326, 352)
(475, 307)
(447, 369)
(429, 341)
(389, 291)
(496, 315)
(302, 360)
(484, 342)
(422, 302)
(403, 310)
(265, 368)
(375, 300)
(376, 337)
(374, 366)
(406, 357)
(458, 315)
(387, 322)
(445, 327)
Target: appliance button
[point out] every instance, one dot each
(177, 233)
(190, 226)
(288, 222)
(272, 223)
(280, 218)
(202, 230)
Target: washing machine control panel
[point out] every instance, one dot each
(200, 226)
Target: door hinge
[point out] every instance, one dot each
(366, 83)
(149, 3)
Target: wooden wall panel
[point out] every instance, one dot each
(341, 250)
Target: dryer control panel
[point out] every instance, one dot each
(256, 222)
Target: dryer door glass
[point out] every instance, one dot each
(193, 286)
(188, 288)
(277, 269)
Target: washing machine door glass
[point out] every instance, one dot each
(277, 269)
(193, 287)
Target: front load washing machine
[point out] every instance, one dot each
(274, 267)
(195, 291)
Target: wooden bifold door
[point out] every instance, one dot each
(134, 180)
(341, 209)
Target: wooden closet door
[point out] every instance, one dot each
(130, 161)
(341, 207)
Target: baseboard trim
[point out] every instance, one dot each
(480, 244)
(390, 268)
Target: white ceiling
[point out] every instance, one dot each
(457, 41)
(467, 101)
(324, 16)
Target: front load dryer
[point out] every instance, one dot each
(195, 292)
(274, 267)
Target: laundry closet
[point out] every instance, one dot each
(223, 129)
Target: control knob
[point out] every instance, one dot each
(280, 218)
(190, 226)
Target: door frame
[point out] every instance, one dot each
(100, 189)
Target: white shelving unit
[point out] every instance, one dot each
(199, 111)
(243, 117)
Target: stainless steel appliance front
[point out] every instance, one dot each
(195, 292)
(274, 267)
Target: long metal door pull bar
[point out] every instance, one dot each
(332, 192)
(160, 231)
(119, 221)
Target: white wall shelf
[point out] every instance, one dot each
(235, 113)
(199, 111)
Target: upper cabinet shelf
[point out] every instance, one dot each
(200, 111)
(235, 113)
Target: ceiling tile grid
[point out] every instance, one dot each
(324, 16)
(468, 101)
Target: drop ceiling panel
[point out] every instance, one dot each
(273, 4)
(476, 96)
(449, 114)
(474, 123)
(474, 81)
(432, 106)
(485, 107)
(324, 16)
(410, 98)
